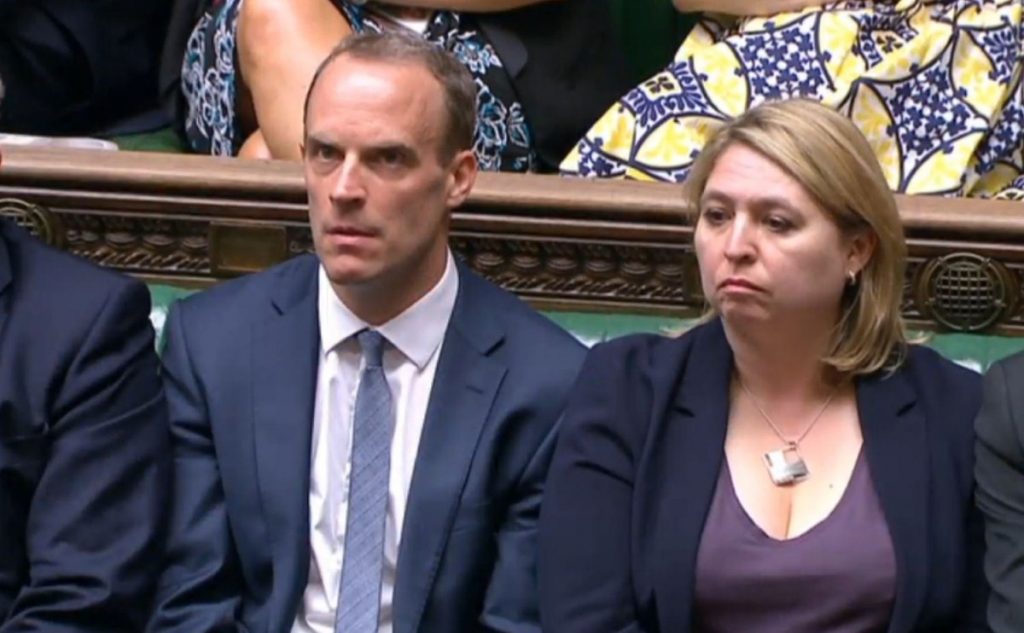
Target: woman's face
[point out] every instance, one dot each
(767, 251)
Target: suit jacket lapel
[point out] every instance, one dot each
(693, 441)
(465, 385)
(284, 364)
(895, 440)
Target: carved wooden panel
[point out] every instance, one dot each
(601, 245)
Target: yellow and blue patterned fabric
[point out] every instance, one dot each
(935, 86)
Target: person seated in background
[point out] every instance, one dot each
(85, 458)
(73, 68)
(934, 86)
(362, 437)
(792, 463)
(999, 470)
(544, 70)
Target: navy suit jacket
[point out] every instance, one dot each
(84, 445)
(240, 369)
(637, 463)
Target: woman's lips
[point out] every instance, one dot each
(738, 283)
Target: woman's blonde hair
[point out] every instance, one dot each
(831, 159)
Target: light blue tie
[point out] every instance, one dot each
(359, 593)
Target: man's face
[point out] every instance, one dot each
(380, 191)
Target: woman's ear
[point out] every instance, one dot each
(860, 248)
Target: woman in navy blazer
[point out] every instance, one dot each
(792, 464)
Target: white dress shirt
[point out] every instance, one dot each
(414, 340)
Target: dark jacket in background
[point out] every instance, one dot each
(567, 65)
(80, 66)
(999, 471)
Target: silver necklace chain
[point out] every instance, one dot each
(775, 429)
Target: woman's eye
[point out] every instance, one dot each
(778, 224)
(713, 215)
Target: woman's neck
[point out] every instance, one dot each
(783, 364)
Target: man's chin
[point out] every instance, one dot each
(350, 277)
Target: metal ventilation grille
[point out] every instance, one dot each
(967, 292)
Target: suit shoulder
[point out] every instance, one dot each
(1012, 367)
(928, 366)
(948, 389)
(522, 322)
(51, 280)
(648, 350)
(233, 300)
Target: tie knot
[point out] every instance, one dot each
(372, 344)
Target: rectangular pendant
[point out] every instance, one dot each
(785, 466)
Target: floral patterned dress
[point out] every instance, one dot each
(934, 85)
(503, 141)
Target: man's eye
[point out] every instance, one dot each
(391, 157)
(325, 152)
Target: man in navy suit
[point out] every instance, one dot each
(84, 446)
(362, 437)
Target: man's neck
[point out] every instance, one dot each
(382, 300)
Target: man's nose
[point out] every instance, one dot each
(348, 182)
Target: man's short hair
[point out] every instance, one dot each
(403, 47)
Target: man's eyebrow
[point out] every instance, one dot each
(390, 146)
(314, 140)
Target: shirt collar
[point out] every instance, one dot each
(416, 333)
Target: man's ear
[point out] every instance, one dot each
(461, 177)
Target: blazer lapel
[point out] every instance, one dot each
(465, 385)
(895, 441)
(693, 441)
(284, 365)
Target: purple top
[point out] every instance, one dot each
(838, 577)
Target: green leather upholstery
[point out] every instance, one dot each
(976, 351)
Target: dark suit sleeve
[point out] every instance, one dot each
(94, 532)
(585, 583)
(200, 590)
(999, 470)
(511, 602)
